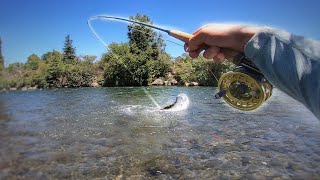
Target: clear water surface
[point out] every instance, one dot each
(117, 133)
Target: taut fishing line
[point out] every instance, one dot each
(114, 55)
(243, 88)
(177, 34)
(181, 100)
(105, 44)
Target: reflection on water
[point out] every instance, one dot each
(117, 133)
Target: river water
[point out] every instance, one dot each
(118, 133)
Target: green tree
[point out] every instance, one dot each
(184, 69)
(88, 58)
(200, 70)
(159, 67)
(128, 64)
(148, 49)
(35, 72)
(69, 55)
(80, 74)
(33, 62)
(14, 75)
(142, 44)
(119, 66)
(55, 68)
(76, 75)
(1, 58)
(140, 37)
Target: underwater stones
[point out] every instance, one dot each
(154, 171)
(245, 161)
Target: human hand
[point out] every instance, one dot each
(219, 41)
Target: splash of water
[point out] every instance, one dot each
(181, 103)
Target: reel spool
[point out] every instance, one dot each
(244, 88)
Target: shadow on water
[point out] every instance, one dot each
(117, 133)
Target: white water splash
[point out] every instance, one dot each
(181, 103)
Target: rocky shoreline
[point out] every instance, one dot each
(157, 82)
(172, 82)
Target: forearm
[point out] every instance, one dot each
(289, 62)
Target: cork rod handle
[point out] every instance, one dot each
(180, 35)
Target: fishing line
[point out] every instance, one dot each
(105, 44)
(236, 91)
(177, 34)
(174, 33)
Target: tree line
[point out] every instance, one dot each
(137, 62)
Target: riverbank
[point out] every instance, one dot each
(157, 82)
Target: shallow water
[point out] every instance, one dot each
(117, 133)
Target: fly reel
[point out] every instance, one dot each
(244, 88)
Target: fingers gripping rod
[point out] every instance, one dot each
(174, 33)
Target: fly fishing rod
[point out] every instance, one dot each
(174, 33)
(244, 88)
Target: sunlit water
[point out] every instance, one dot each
(118, 133)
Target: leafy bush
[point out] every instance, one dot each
(200, 70)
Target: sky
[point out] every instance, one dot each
(39, 26)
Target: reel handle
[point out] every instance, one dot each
(241, 60)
